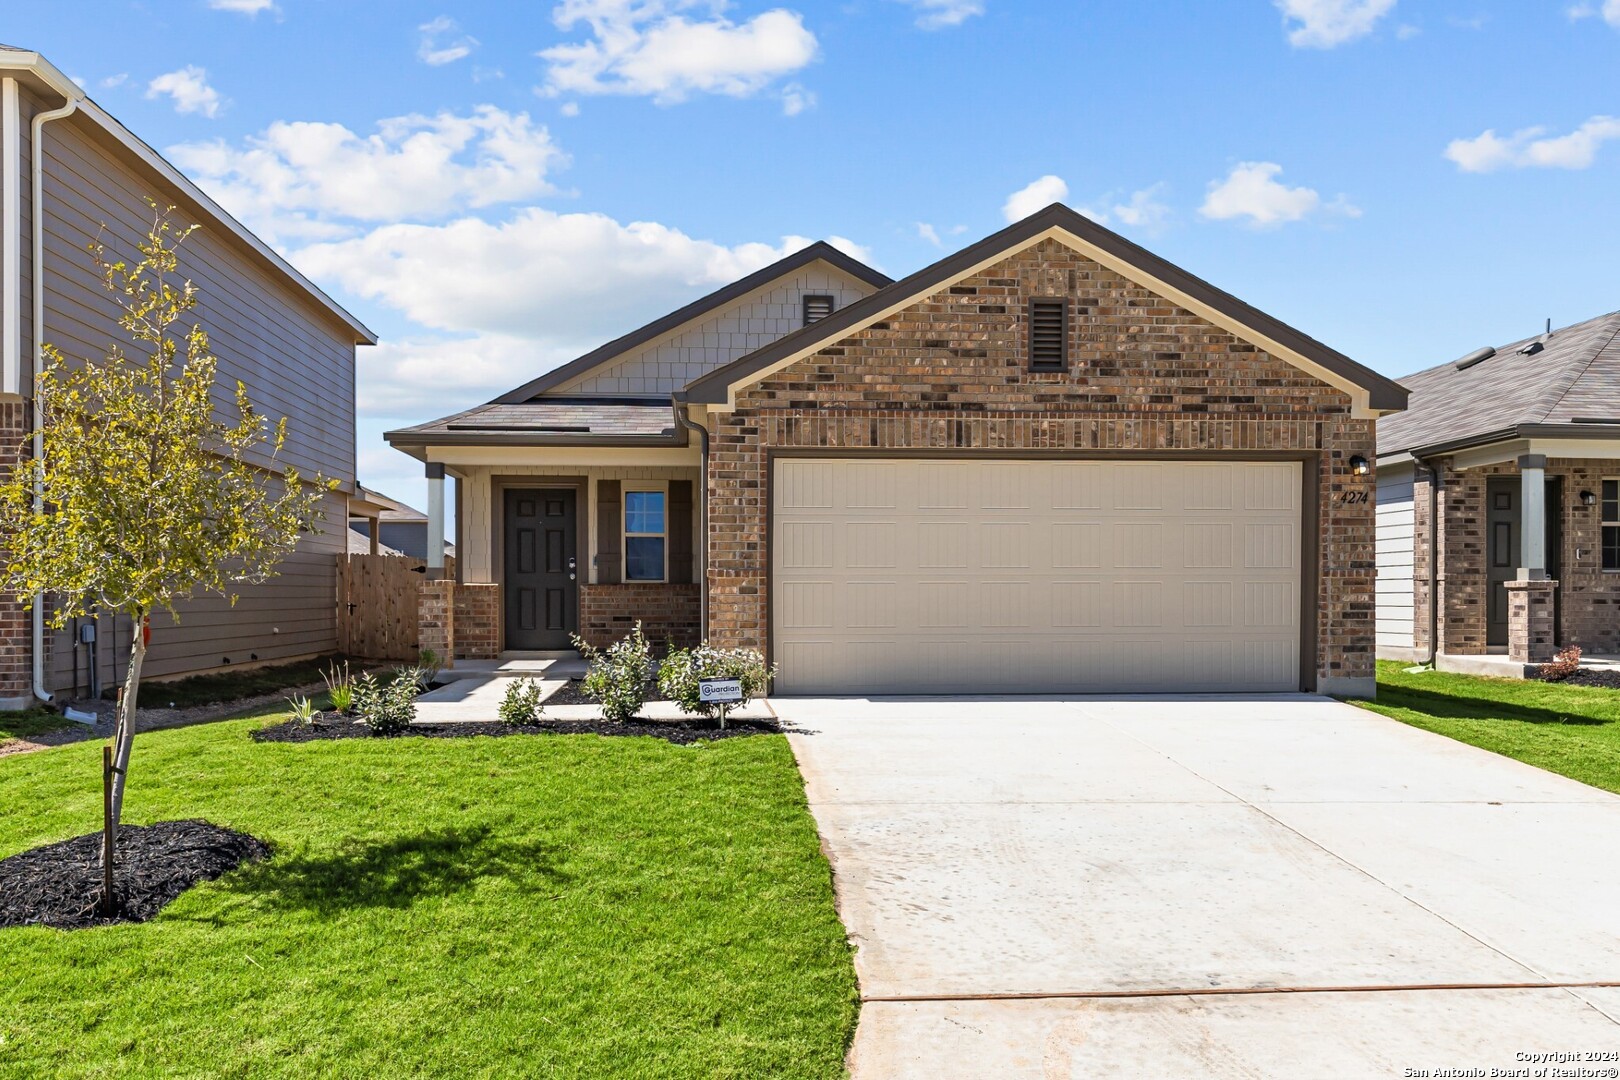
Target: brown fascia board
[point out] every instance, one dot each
(1384, 394)
(819, 251)
(1519, 431)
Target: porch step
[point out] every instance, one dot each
(554, 666)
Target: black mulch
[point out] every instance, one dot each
(573, 693)
(60, 884)
(1594, 677)
(679, 732)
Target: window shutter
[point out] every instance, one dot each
(609, 532)
(1048, 333)
(680, 531)
(817, 308)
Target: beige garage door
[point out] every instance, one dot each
(922, 576)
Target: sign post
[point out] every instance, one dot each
(723, 693)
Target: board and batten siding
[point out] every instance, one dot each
(1395, 525)
(750, 322)
(295, 358)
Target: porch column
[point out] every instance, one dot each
(435, 524)
(1533, 516)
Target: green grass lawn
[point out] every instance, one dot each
(1573, 730)
(526, 906)
(28, 723)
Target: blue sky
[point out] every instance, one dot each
(496, 187)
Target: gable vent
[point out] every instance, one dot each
(817, 308)
(1048, 333)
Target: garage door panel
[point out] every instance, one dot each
(1056, 576)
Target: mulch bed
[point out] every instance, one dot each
(59, 884)
(1594, 677)
(573, 693)
(679, 732)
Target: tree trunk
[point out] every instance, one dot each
(124, 733)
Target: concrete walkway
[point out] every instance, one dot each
(1144, 876)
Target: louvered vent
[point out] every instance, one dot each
(817, 308)
(1048, 334)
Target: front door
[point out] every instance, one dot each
(1504, 547)
(542, 587)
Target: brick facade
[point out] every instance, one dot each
(667, 613)
(1588, 597)
(1530, 621)
(436, 618)
(950, 374)
(16, 638)
(477, 622)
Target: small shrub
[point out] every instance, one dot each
(386, 707)
(521, 705)
(339, 687)
(303, 710)
(617, 679)
(1561, 666)
(683, 669)
(419, 677)
(429, 664)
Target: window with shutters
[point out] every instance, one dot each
(644, 535)
(816, 308)
(1048, 333)
(1611, 524)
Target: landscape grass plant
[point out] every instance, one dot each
(536, 906)
(1572, 730)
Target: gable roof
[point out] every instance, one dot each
(1574, 378)
(554, 421)
(819, 251)
(1378, 393)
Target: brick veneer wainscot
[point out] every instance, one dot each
(477, 622)
(950, 373)
(667, 613)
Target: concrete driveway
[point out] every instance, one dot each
(1207, 887)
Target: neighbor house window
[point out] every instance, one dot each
(817, 308)
(1048, 333)
(644, 535)
(1611, 524)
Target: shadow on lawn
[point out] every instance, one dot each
(1467, 707)
(397, 873)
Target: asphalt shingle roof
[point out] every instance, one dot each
(1575, 376)
(559, 416)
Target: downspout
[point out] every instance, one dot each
(703, 516)
(37, 235)
(1434, 557)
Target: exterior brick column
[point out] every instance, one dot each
(1531, 633)
(16, 624)
(436, 619)
(477, 622)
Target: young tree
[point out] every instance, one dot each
(145, 496)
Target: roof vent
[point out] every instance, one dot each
(1532, 348)
(1475, 357)
(816, 308)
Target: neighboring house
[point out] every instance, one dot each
(399, 529)
(1049, 462)
(1507, 463)
(291, 345)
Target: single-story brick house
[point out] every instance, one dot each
(1051, 461)
(1506, 463)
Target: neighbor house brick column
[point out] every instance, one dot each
(1531, 635)
(436, 619)
(16, 658)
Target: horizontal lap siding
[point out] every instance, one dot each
(1394, 588)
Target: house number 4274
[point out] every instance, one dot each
(1352, 496)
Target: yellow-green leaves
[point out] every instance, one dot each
(148, 492)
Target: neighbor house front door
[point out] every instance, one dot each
(1504, 548)
(542, 586)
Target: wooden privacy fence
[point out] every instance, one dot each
(377, 597)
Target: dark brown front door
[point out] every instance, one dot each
(542, 586)
(1504, 547)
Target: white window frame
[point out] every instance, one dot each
(643, 487)
(1604, 524)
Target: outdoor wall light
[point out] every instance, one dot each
(1359, 466)
(1588, 499)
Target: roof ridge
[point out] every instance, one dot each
(1575, 377)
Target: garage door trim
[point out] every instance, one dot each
(1310, 513)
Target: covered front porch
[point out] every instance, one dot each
(554, 541)
(1518, 545)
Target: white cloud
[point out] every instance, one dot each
(1407, 31)
(303, 180)
(569, 281)
(569, 108)
(796, 99)
(1144, 210)
(190, 90)
(406, 378)
(1326, 24)
(1610, 12)
(112, 81)
(927, 232)
(435, 51)
(938, 14)
(1252, 192)
(648, 48)
(1532, 148)
(243, 7)
(1037, 195)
